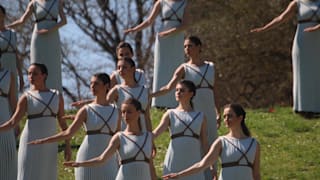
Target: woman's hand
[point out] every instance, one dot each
(43, 31)
(78, 104)
(260, 29)
(130, 30)
(37, 141)
(163, 34)
(171, 176)
(313, 28)
(71, 117)
(71, 164)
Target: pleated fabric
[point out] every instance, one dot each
(39, 162)
(94, 145)
(46, 48)
(8, 153)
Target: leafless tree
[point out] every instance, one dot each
(103, 21)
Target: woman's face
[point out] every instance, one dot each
(182, 93)
(129, 113)
(35, 76)
(124, 68)
(230, 118)
(190, 49)
(97, 86)
(124, 52)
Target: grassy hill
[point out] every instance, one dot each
(289, 144)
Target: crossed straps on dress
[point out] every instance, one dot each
(203, 77)
(237, 163)
(99, 131)
(132, 95)
(174, 13)
(9, 44)
(47, 106)
(3, 94)
(48, 15)
(140, 150)
(187, 127)
(314, 15)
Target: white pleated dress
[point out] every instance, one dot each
(135, 153)
(101, 124)
(39, 162)
(46, 48)
(168, 50)
(203, 78)
(305, 59)
(236, 157)
(140, 93)
(8, 153)
(8, 58)
(185, 147)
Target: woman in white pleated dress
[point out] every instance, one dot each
(101, 121)
(8, 102)
(129, 88)
(202, 74)
(305, 54)
(43, 107)
(8, 51)
(238, 151)
(134, 147)
(168, 51)
(45, 45)
(188, 132)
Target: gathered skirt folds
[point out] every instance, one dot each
(306, 73)
(46, 49)
(168, 55)
(8, 153)
(91, 147)
(38, 162)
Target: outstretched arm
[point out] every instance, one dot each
(164, 124)
(283, 17)
(66, 133)
(23, 18)
(177, 76)
(208, 159)
(112, 95)
(155, 11)
(17, 116)
(110, 150)
(313, 28)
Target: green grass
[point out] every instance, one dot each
(289, 144)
